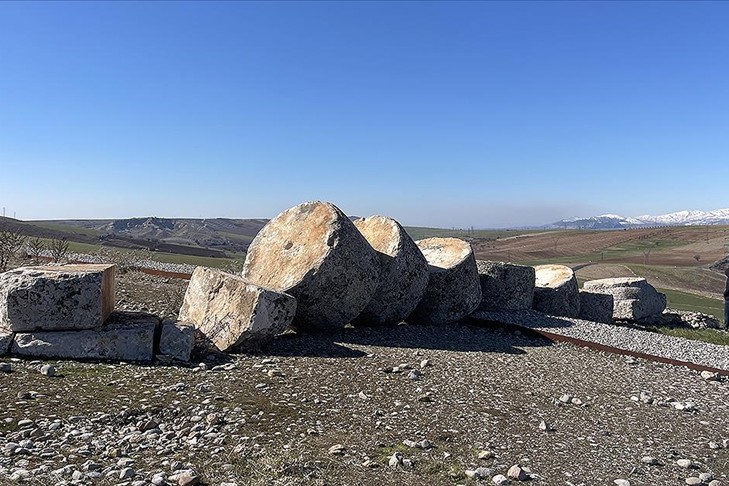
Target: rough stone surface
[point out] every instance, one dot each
(505, 285)
(124, 336)
(315, 253)
(6, 338)
(232, 312)
(596, 307)
(56, 298)
(403, 271)
(634, 297)
(177, 339)
(556, 291)
(453, 291)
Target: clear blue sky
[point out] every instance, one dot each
(441, 114)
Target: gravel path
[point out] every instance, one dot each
(670, 347)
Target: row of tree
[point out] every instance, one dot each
(14, 245)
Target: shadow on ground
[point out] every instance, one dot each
(469, 336)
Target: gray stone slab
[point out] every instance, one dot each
(177, 339)
(125, 336)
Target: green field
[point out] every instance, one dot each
(694, 303)
(419, 233)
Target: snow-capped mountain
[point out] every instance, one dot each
(614, 221)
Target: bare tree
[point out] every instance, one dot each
(646, 255)
(125, 260)
(10, 244)
(58, 249)
(35, 248)
(697, 258)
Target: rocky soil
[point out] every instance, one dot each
(401, 405)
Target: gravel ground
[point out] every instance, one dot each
(621, 337)
(449, 403)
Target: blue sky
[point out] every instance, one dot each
(440, 114)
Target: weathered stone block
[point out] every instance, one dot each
(634, 297)
(232, 312)
(556, 291)
(125, 336)
(453, 290)
(177, 339)
(56, 298)
(596, 307)
(316, 254)
(505, 285)
(6, 339)
(403, 271)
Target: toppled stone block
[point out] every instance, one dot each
(6, 339)
(177, 339)
(125, 336)
(505, 286)
(453, 290)
(55, 298)
(316, 254)
(232, 312)
(556, 291)
(634, 297)
(596, 307)
(403, 271)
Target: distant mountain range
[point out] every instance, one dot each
(614, 221)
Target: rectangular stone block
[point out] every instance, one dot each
(233, 313)
(125, 336)
(54, 298)
(177, 340)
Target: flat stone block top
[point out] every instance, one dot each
(556, 291)
(53, 298)
(634, 297)
(125, 336)
(505, 285)
(403, 271)
(232, 312)
(315, 253)
(453, 290)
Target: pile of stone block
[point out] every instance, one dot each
(68, 312)
(312, 268)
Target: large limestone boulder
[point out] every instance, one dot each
(453, 290)
(556, 291)
(124, 336)
(177, 340)
(232, 312)
(596, 307)
(315, 253)
(403, 271)
(505, 286)
(634, 297)
(56, 297)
